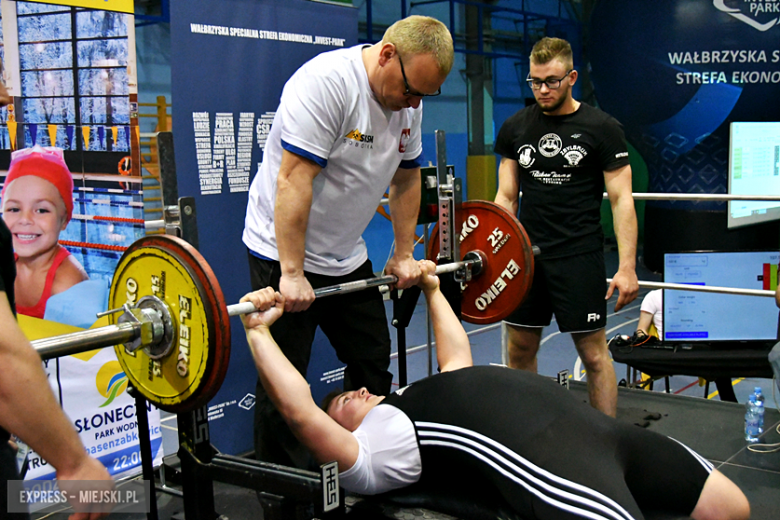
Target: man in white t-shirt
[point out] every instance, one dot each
(652, 313)
(517, 437)
(347, 128)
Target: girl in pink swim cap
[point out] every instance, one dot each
(37, 205)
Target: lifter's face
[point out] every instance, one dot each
(422, 77)
(349, 408)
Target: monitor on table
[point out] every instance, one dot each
(754, 169)
(691, 317)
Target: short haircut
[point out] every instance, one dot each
(548, 49)
(416, 35)
(333, 394)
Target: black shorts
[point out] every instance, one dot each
(640, 470)
(572, 288)
(662, 473)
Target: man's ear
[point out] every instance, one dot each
(573, 77)
(386, 53)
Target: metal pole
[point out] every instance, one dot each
(701, 196)
(401, 343)
(704, 288)
(429, 338)
(154, 225)
(369, 21)
(76, 342)
(723, 197)
(145, 448)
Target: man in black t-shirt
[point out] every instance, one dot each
(27, 405)
(562, 153)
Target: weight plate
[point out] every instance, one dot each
(508, 269)
(172, 270)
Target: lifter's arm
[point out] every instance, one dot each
(508, 185)
(291, 220)
(453, 350)
(289, 391)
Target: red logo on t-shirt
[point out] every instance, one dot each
(405, 134)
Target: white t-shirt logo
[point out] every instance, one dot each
(550, 145)
(406, 133)
(401, 391)
(524, 155)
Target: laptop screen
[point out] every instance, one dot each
(708, 317)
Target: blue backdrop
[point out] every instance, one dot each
(676, 73)
(231, 59)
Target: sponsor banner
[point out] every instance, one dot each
(92, 389)
(676, 73)
(123, 6)
(233, 59)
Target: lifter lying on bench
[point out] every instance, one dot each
(548, 455)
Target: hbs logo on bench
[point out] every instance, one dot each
(111, 381)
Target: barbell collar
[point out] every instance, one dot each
(77, 342)
(703, 288)
(148, 324)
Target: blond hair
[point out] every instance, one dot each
(415, 35)
(548, 49)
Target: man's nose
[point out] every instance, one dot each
(363, 391)
(415, 101)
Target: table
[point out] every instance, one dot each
(718, 363)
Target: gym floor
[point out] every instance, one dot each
(713, 428)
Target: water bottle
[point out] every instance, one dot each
(751, 419)
(760, 399)
(760, 415)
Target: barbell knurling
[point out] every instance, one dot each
(358, 285)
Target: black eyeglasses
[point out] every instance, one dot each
(409, 91)
(552, 84)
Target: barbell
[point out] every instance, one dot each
(170, 325)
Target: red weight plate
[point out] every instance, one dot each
(508, 269)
